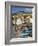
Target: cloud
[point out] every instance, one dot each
(27, 9)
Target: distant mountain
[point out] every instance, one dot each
(13, 14)
(21, 12)
(24, 12)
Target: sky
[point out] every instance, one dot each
(19, 8)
